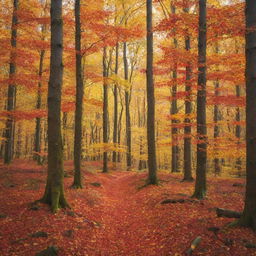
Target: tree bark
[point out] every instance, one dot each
(248, 218)
(238, 131)
(114, 157)
(174, 110)
(37, 146)
(188, 111)
(11, 97)
(200, 185)
(127, 111)
(79, 100)
(152, 169)
(216, 115)
(105, 111)
(54, 190)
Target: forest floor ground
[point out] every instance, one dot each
(114, 215)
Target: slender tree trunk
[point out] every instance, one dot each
(11, 98)
(238, 131)
(18, 148)
(200, 185)
(54, 190)
(141, 124)
(127, 111)
(105, 111)
(114, 157)
(174, 110)
(64, 127)
(37, 145)
(79, 101)
(216, 114)
(119, 133)
(248, 218)
(152, 167)
(188, 111)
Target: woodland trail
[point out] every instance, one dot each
(122, 216)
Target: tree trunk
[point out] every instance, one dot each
(152, 169)
(248, 218)
(216, 115)
(37, 146)
(114, 157)
(200, 185)
(79, 101)
(188, 111)
(105, 111)
(19, 142)
(238, 131)
(11, 98)
(54, 190)
(119, 133)
(174, 110)
(127, 112)
(141, 121)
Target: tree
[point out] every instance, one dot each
(188, 111)
(216, 118)
(54, 190)
(248, 218)
(79, 100)
(115, 92)
(174, 108)
(201, 157)
(11, 98)
(105, 110)
(37, 146)
(152, 169)
(127, 111)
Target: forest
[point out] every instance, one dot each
(127, 127)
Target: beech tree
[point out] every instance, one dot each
(54, 190)
(37, 146)
(188, 110)
(152, 168)
(79, 100)
(248, 218)
(115, 92)
(127, 111)
(201, 157)
(105, 109)
(11, 98)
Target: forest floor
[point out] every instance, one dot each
(115, 215)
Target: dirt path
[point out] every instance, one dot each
(120, 216)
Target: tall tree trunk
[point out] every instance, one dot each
(127, 111)
(141, 121)
(11, 97)
(54, 190)
(37, 145)
(174, 110)
(238, 131)
(248, 218)
(114, 157)
(216, 118)
(188, 111)
(105, 111)
(152, 169)
(201, 157)
(19, 142)
(119, 132)
(79, 101)
(64, 128)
